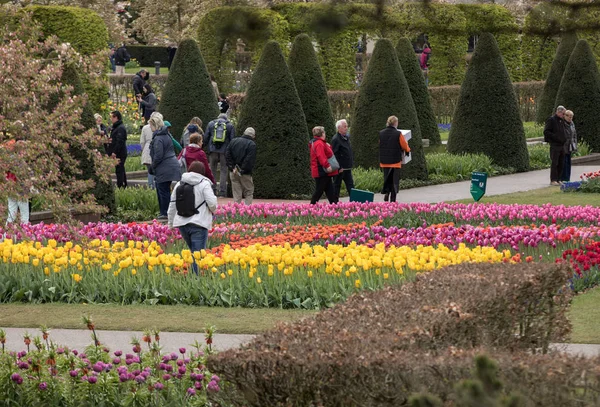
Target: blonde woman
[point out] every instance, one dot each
(570, 145)
(145, 140)
(195, 126)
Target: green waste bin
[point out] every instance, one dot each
(478, 185)
(357, 195)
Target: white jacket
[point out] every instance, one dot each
(202, 192)
(145, 140)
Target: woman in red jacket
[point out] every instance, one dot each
(193, 152)
(320, 168)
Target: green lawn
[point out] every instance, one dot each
(139, 317)
(585, 317)
(163, 70)
(552, 195)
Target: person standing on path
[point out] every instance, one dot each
(118, 147)
(121, 58)
(196, 221)
(392, 146)
(193, 152)
(148, 102)
(164, 164)
(555, 134)
(219, 134)
(342, 149)
(195, 126)
(320, 168)
(145, 140)
(240, 158)
(570, 146)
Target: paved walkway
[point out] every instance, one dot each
(172, 341)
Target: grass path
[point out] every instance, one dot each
(585, 317)
(552, 195)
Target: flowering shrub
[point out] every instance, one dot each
(54, 375)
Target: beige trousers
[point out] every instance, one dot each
(242, 186)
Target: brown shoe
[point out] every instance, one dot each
(555, 183)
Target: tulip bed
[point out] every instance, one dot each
(289, 255)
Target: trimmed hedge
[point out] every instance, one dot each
(310, 85)
(546, 104)
(82, 28)
(487, 118)
(272, 107)
(384, 92)
(418, 90)
(188, 91)
(580, 92)
(379, 348)
(146, 55)
(537, 51)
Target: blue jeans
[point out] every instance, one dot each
(566, 172)
(195, 237)
(150, 178)
(163, 191)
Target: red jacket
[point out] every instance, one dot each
(195, 153)
(320, 152)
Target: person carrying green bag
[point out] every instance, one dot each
(176, 146)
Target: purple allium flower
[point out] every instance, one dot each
(123, 377)
(213, 386)
(75, 352)
(158, 386)
(74, 373)
(191, 391)
(60, 351)
(169, 368)
(180, 362)
(106, 350)
(136, 372)
(92, 379)
(128, 361)
(98, 367)
(118, 353)
(117, 361)
(83, 356)
(122, 370)
(129, 356)
(166, 377)
(23, 365)
(215, 378)
(166, 358)
(21, 354)
(140, 379)
(198, 385)
(174, 356)
(136, 359)
(145, 374)
(181, 370)
(43, 386)
(182, 350)
(15, 377)
(130, 376)
(187, 361)
(162, 366)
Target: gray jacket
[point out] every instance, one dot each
(229, 135)
(571, 134)
(164, 161)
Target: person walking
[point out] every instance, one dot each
(191, 208)
(121, 58)
(164, 164)
(219, 134)
(340, 144)
(424, 62)
(320, 167)
(241, 157)
(118, 147)
(145, 141)
(193, 152)
(392, 146)
(195, 126)
(555, 135)
(570, 145)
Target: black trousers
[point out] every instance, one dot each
(391, 182)
(557, 156)
(120, 171)
(324, 184)
(345, 176)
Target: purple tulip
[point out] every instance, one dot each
(182, 350)
(74, 373)
(166, 377)
(15, 377)
(158, 386)
(92, 379)
(213, 386)
(43, 386)
(191, 391)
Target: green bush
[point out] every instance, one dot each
(533, 130)
(137, 199)
(546, 103)
(188, 91)
(487, 118)
(82, 28)
(458, 167)
(539, 156)
(580, 92)
(384, 92)
(310, 85)
(418, 90)
(538, 50)
(146, 55)
(273, 108)
(591, 186)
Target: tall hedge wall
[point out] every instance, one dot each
(537, 51)
(147, 54)
(82, 28)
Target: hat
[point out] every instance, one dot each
(168, 124)
(192, 128)
(249, 132)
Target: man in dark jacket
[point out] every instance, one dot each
(340, 144)
(118, 146)
(219, 134)
(139, 81)
(121, 58)
(392, 146)
(555, 134)
(241, 157)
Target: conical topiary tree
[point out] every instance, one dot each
(272, 107)
(310, 85)
(546, 104)
(188, 91)
(487, 118)
(384, 92)
(103, 191)
(580, 92)
(418, 90)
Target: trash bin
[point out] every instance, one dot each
(157, 67)
(357, 195)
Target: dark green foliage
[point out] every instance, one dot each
(188, 91)
(424, 400)
(546, 104)
(146, 55)
(273, 108)
(418, 90)
(310, 85)
(102, 190)
(580, 92)
(82, 28)
(384, 92)
(487, 118)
